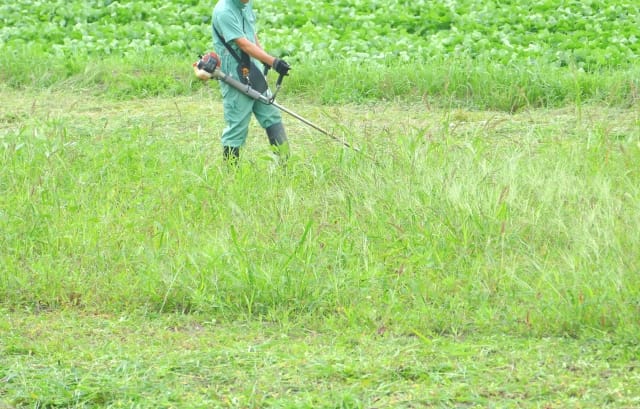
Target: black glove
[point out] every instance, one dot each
(281, 66)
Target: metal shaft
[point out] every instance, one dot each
(252, 93)
(311, 124)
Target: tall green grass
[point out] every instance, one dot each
(444, 82)
(458, 221)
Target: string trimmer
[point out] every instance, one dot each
(209, 67)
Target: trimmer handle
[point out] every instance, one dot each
(278, 85)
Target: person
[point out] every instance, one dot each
(236, 42)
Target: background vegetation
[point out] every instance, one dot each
(589, 34)
(466, 52)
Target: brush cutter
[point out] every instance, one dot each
(208, 67)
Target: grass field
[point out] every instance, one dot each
(480, 251)
(464, 259)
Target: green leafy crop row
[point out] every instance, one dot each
(588, 33)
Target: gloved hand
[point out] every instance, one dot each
(281, 66)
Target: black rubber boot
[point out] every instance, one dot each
(231, 154)
(278, 140)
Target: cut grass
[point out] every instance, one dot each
(71, 359)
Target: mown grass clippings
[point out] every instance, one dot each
(72, 359)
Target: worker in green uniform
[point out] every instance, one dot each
(236, 42)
